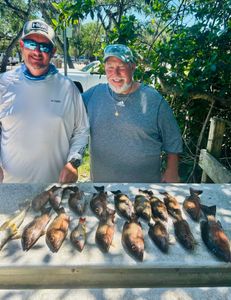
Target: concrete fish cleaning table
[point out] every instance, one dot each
(39, 268)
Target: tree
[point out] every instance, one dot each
(13, 16)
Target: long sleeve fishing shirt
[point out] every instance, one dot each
(43, 125)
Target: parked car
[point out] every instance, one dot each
(82, 60)
(86, 77)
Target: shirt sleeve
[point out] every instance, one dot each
(80, 135)
(169, 129)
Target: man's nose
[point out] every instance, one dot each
(117, 70)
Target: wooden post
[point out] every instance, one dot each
(216, 133)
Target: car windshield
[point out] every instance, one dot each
(88, 67)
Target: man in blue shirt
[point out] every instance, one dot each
(131, 124)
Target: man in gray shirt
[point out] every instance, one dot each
(131, 124)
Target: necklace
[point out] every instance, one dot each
(120, 103)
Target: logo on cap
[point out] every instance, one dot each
(40, 26)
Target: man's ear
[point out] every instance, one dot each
(21, 44)
(53, 51)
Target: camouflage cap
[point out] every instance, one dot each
(39, 27)
(120, 51)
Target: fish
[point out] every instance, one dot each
(159, 210)
(183, 233)
(123, 205)
(143, 207)
(78, 235)
(41, 199)
(159, 235)
(77, 202)
(99, 201)
(213, 234)
(57, 231)
(9, 229)
(192, 204)
(132, 239)
(55, 198)
(35, 229)
(105, 230)
(172, 205)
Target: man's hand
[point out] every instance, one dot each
(1, 175)
(68, 174)
(171, 173)
(170, 176)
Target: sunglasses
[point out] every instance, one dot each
(32, 45)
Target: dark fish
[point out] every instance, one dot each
(184, 234)
(105, 231)
(159, 209)
(35, 229)
(41, 200)
(213, 234)
(172, 205)
(9, 229)
(159, 235)
(99, 201)
(123, 205)
(132, 239)
(143, 207)
(57, 231)
(78, 235)
(77, 202)
(147, 193)
(55, 198)
(192, 204)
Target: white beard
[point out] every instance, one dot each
(122, 89)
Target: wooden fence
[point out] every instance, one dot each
(213, 170)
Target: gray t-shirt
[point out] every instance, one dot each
(127, 147)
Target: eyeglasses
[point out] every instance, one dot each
(32, 45)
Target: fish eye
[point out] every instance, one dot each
(133, 247)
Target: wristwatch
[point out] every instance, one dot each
(75, 162)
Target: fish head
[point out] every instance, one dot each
(137, 250)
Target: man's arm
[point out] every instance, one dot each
(78, 140)
(171, 172)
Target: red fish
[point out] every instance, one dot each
(105, 231)
(132, 239)
(57, 231)
(213, 234)
(192, 204)
(78, 235)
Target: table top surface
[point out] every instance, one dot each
(213, 194)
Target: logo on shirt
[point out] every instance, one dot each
(55, 100)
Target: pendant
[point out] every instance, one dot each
(120, 103)
(116, 113)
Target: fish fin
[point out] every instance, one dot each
(219, 223)
(208, 210)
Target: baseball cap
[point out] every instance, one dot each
(120, 51)
(39, 27)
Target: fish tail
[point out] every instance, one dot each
(208, 210)
(195, 192)
(82, 220)
(116, 192)
(99, 188)
(25, 205)
(46, 210)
